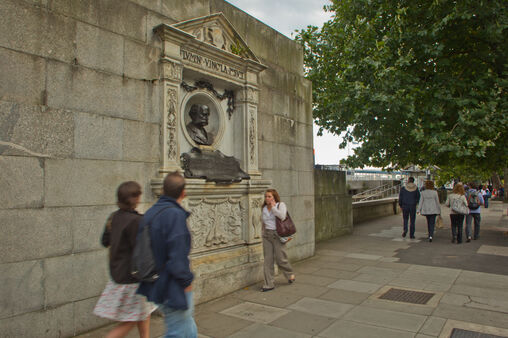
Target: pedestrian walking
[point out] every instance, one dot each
(171, 244)
(119, 300)
(408, 199)
(474, 203)
(274, 251)
(429, 206)
(458, 209)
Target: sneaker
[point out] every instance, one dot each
(404, 234)
(453, 240)
(468, 239)
(430, 239)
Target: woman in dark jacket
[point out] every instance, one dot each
(119, 300)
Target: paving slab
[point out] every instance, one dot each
(255, 312)
(493, 250)
(355, 286)
(432, 326)
(386, 318)
(350, 329)
(321, 307)
(303, 322)
(264, 331)
(345, 296)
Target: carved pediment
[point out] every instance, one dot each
(217, 31)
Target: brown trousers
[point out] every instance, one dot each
(274, 252)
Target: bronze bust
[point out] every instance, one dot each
(199, 113)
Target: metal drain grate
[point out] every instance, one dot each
(459, 333)
(406, 296)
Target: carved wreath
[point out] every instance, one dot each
(228, 94)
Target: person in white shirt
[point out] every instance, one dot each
(273, 249)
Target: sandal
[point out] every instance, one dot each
(291, 279)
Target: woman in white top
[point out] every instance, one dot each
(429, 206)
(457, 219)
(273, 248)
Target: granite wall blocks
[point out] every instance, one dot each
(35, 233)
(65, 179)
(83, 321)
(75, 277)
(83, 10)
(21, 289)
(21, 183)
(189, 9)
(35, 130)
(98, 137)
(265, 155)
(141, 61)
(123, 17)
(23, 77)
(80, 89)
(50, 323)
(141, 141)
(87, 227)
(36, 31)
(99, 49)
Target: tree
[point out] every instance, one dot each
(414, 82)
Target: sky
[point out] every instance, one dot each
(286, 16)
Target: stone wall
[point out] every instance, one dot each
(367, 210)
(80, 113)
(334, 215)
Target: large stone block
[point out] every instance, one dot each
(50, 323)
(98, 137)
(303, 159)
(84, 320)
(35, 233)
(35, 130)
(285, 130)
(83, 10)
(21, 289)
(23, 77)
(99, 49)
(77, 88)
(282, 156)
(153, 105)
(154, 5)
(153, 20)
(306, 183)
(87, 227)
(36, 30)
(189, 9)
(141, 61)
(21, 182)
(65, 181)
(265, 155)
(75, 277)
(304, 136)
(141, 141)
(124, 18)
(266, 127)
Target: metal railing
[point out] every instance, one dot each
(383, 191)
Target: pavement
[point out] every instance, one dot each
(374, 283)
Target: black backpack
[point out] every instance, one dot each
(143, 262)
(473, 201)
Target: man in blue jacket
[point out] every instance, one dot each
(171, 245)
(408, 199)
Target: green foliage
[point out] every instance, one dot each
(415, 82)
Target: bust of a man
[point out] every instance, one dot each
(199, 114)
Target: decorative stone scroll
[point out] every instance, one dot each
(215, 222)
(252, 136)
(171, 124)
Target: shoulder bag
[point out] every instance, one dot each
(285, 227)
(457, 206)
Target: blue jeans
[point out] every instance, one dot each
(180, 323)
(409, 213)
(469, 218)
(431, 222)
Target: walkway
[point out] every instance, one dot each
(462, 288)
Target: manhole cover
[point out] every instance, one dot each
(406, 296)
(459, 333)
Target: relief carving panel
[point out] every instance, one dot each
(171, 124)
(215, 222)
(255, 207)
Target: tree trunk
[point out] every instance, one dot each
(496, 181)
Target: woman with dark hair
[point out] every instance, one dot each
(119, 300)
(429, 206)
(458, 196)
(273, 248)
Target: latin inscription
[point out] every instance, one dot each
(211, 64)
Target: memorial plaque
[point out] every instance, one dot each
(213, 166)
